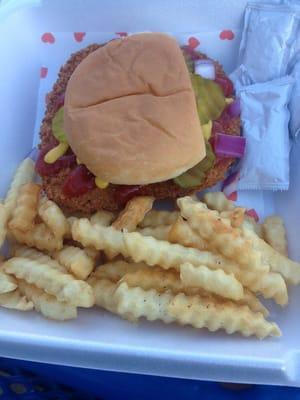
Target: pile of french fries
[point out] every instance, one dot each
(203, 265)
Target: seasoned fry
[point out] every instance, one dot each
(146, 248)
(218, 201)
(102, 217)
(217, 282)
(236, 216)
(40, 237)
(194, 310)
(24, 174)
(274, 233)
(163, 280)
(15, 301)
(54, 218)
(7, 282)
(167, 255)
(289, 269)
(24, 214)
(253, 303)
(92, 253)
(270, 285)
(47, 304)
(204, 313)
(159, 232)
(221, 236)
(155, 218)
(68, 234)
(97, 236)
(134, 213)
(3, 221)
(137, 303)
(63, 286)
(104, 290)
(76, 261)
(183, 234)
(32, 254)
(156, 278)
(251, 224)
(114, 271)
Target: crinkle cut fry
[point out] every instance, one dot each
(159, 232)
(289, 269)
(155, 218)
(220, 235)
(140, 248)
(63, 286)
(214, 281)
(40, 237)
(218, 201)
(202, 313)
(275, 235)
(102, 217)
(153, 252)
(76, 261)
(133, 213)
(115, 270)
(7, 282)
(42, 258)
(193, 310)
(24, 213)
(47, 304)
(270, 285)
(24, 174)
(163, 280)
(54, 218)
(15, 301)
(104, 290)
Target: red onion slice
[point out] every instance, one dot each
(234, 109)
(229, 145)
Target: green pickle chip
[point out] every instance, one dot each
(58, 126)
(195, 176)
(209, 97)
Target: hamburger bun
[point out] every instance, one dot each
(130, 113)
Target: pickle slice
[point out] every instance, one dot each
(188, 60)
(196, 175)
(207, 129)
(58, 126)
(209, 97)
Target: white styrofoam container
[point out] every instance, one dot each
(97, 339)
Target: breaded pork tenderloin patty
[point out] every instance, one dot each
(114, 197)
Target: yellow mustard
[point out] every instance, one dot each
(101, 184)
(55, 153)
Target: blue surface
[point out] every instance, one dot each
(42, 381)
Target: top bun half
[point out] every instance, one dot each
(130, 112)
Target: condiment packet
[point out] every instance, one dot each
(269, 33)
(240, 78)
(265, 118)
(294, 105)
(295, 49)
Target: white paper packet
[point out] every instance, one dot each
(265, 118)
(268, 35)
(240, 78)
(294, 105)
